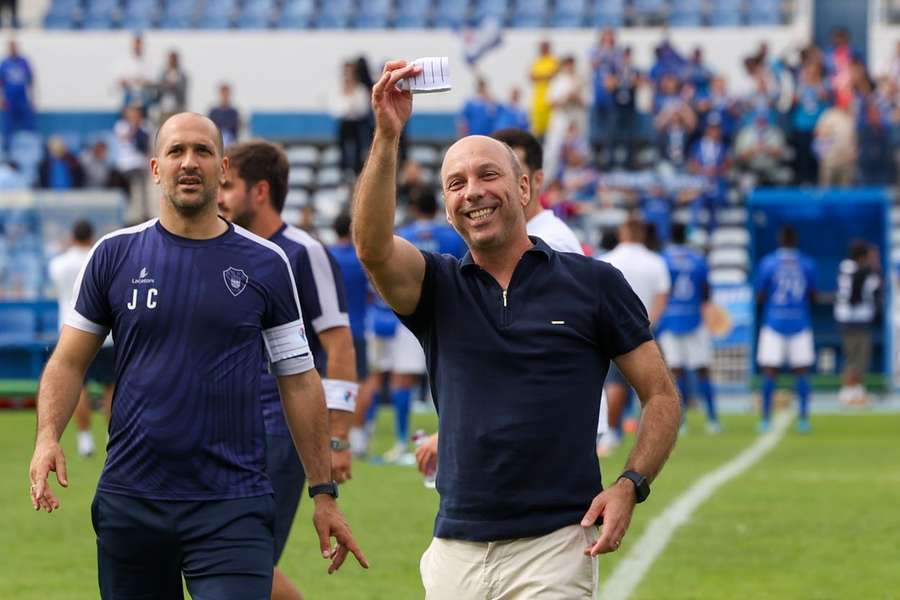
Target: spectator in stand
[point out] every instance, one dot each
(579, 178)
(225, 116)
(542, 71)
(511, 115)
(623, 85)
(60, 169)
(11, 9)
(810, 101)
(760, 148)
(172, 88)
(656, 209)
(717, 106)
(606, 60)
(134, 78)
(836, 145)
(16, 89)
(877, 165)
(857, 308)
(99, 171)
(479, 113)
(566, 94)
(412, 185)
(697, 73)
(133, 146)
(838, 63)
(894, 72)
(351, 108)
(672, 139)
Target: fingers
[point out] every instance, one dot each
(339, 557)
(596, 509)
(394, 64)
(61, 472)
(404, 73)
(324, 534)
(394, 71)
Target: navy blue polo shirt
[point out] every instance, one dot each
(517, 378)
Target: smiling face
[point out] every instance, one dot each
(485, 192)
(188, 165)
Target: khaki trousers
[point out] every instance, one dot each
(549, 567)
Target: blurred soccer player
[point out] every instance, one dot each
(684, 339)
(252, 196)
(193, 302)
(63, 270)
(785, 287)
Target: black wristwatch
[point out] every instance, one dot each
(641, 485)
(330, 488)
(337, 444)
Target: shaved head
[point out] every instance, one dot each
(479, 143)
(187, 117)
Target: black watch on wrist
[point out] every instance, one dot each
(337, 444)
(641, 485)
(330, 488)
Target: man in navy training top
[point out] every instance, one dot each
(785, 289)
(518, 339)
(356, 285)
(192, 302)
(684, 339)
(252, 196)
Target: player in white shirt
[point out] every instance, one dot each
(64, 269)
(647, 274)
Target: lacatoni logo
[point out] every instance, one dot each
(143, 277)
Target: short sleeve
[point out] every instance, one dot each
(665, 278)
(287, 348)
(623, 322)
(422, 317)
(322, 290)
(762, 278)
(91, 309)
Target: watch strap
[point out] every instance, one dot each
(330, 488)
(641, 485)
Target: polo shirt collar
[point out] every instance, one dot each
(540, 248)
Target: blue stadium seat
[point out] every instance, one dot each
(648, 9)
(334, 14)
(218, 14)
(725, 18)
(568, 13)
(764, 12)
(411, 14)
(140, 14)
(727, 5)
(297, 14)
(686, 17)
(374, 14)
(450, 13)
(530, 13)
(101, 14)
(257, 14)
(61, 14)
(607, 13)
(26, 149)
(492, 9)
(18, 325)
(178, 14)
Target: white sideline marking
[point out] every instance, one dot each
(631, 569)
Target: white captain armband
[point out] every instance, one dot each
(340, 395)
(287, 349)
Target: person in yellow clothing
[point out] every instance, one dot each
(542, 71)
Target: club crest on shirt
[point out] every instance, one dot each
(235, 280)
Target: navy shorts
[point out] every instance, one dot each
(362, 360)
(224, 548)
(287, 476)
(103, 368)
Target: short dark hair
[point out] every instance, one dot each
(858, 249)
(679, 233)
(259, 160)
(341, 224)
(787, 237)
(82, 231)
(519, 138)
(424, 202)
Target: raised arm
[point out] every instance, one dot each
(57, 396)
(396, 267)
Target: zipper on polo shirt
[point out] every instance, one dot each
(504, 299)
(504, 312)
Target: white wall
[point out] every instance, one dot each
(298, 71)
(882, 47)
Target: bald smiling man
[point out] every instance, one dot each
(184, 490)
(518, 339)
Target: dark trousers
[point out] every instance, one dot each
(354, 138)
(223, 548)
(806, 166)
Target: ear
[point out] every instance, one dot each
(524, 190)
(154, 170)
(537, 180)
(223, 169)
(261, 192)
